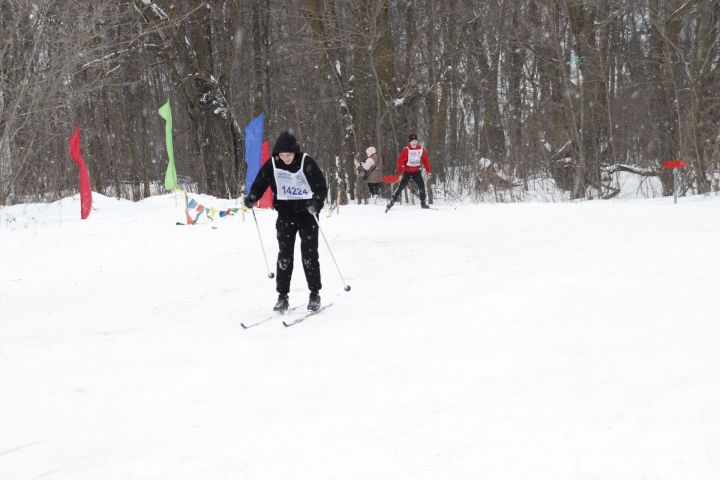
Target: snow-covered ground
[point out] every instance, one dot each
(544, 341)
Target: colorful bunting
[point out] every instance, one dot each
(199, 209)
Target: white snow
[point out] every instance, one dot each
(498, 341)
(159, 12)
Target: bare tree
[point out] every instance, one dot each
(503, 94)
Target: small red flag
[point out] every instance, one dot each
(674, 163)
(85, 189)
(391, 178)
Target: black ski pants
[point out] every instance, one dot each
(288, 226)
(415, 177)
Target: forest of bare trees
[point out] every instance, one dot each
(569, 90)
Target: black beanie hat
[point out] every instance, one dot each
(412, 137)
(286, 142)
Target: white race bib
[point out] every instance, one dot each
(292, 186)
(414, 157)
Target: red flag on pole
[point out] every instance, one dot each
(85, 190)
(266, 201)
(674, 164)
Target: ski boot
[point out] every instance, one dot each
(424, 205)
(314, 302)
(389, 205)
(283, 303)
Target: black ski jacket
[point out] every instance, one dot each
(314, 176)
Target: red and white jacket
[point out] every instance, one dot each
(410, 160)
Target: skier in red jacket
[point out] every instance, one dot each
(409, 163)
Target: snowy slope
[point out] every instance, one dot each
(507, 341)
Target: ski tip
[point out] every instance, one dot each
(244, 326)
(285, 324)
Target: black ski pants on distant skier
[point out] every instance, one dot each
(415, 177)
(288, 226)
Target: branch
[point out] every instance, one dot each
(681, 10)
(643, 172)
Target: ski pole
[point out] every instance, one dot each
(346, 286)
(386, 190)
(267, 265)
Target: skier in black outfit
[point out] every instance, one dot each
(299, 191)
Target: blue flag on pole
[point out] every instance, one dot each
(253, 148)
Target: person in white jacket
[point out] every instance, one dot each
(372, 171)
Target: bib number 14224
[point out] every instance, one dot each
(294, 191)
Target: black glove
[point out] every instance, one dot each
(247, 201)
(313, 207)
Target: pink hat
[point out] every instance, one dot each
(370, 151)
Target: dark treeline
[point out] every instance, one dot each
(573, 90)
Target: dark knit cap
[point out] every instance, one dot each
(412, 137)
(286, 142)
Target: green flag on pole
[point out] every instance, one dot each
(170, 175)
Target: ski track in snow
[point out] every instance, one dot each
(534, 340)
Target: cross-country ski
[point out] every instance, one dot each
(294, 321)
(272, 316)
